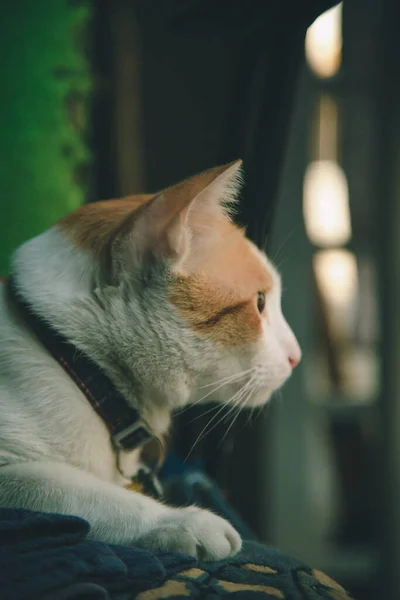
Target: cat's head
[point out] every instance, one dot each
(184, 300)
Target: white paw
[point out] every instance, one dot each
(193, 531)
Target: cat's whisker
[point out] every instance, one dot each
(206, 428)
(234, 400)
(247, 390)
(262, 412)
(217, 406)
(232, 379)
(232, 422)
(251, 386)
(249, 419)
(274, 257)
(255, 413)
(228, 378)
(238, 401)
(204, 432)
(253, 409)
(203, 414)
(231, 412)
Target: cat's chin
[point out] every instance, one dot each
(230, 394)
(260, 396)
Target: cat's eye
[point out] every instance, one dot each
(260, 301)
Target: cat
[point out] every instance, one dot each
(168, 296)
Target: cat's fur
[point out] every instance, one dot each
(162, 292)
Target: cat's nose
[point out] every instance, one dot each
(294, 353)
(290, 344)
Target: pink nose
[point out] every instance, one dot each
(293, 361)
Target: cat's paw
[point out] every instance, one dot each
(193, 531)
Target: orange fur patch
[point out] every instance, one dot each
(217, 295)
(92, 226)
(213, 313)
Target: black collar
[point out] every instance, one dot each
(127, 429)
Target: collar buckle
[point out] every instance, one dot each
(132, 437)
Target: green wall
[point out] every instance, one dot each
(45, 86)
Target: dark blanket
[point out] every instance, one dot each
(40, 553)
(48, 557)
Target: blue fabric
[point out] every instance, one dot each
(48, 557)
(44, 552)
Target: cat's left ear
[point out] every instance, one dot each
(162, 229)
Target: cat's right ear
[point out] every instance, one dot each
(161, 229)
(156, 231)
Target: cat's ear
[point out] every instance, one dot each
(162, 229)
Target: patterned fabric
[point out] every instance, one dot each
(258, 572)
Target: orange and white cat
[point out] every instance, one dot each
(167, 295)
